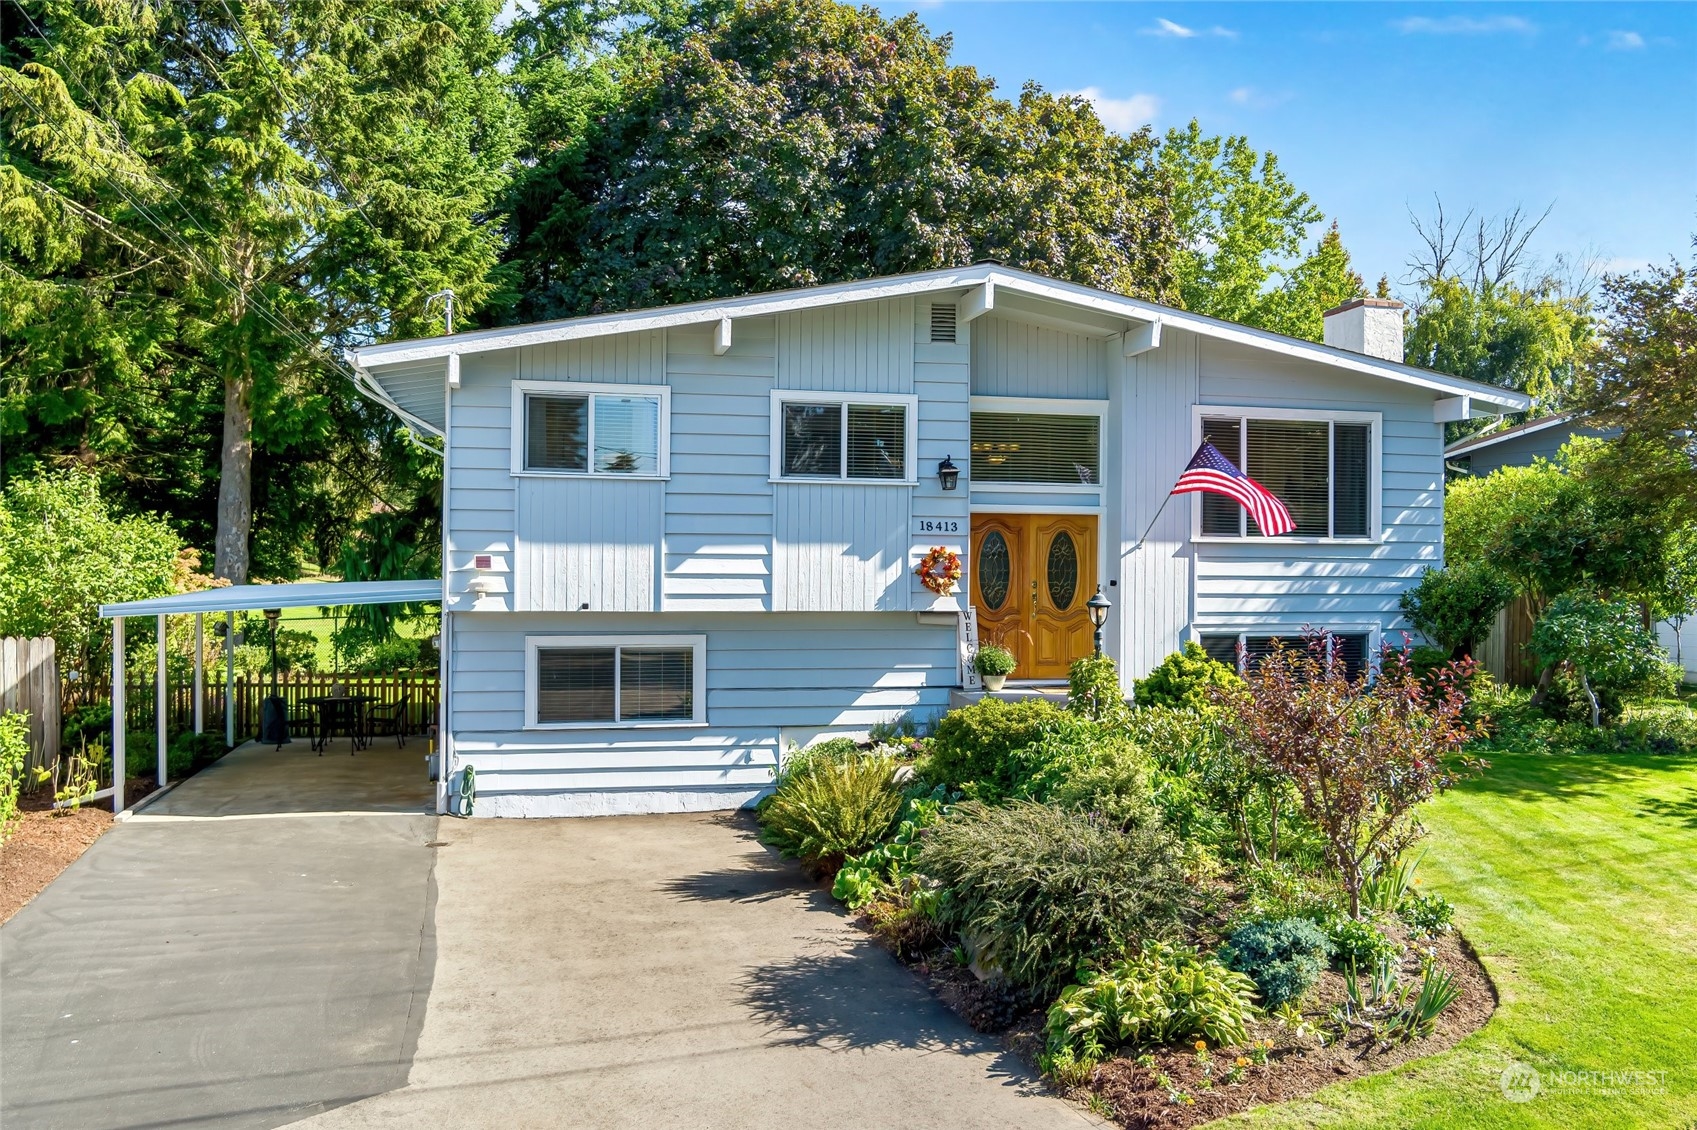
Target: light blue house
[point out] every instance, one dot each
(679, 540)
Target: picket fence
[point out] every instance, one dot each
(417, 688)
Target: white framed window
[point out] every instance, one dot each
(597, 682)
(596, 430)
(1049, 445)
(1324, 466)
(843, 437)
(1353, 645)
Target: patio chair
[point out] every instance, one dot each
(389, 720)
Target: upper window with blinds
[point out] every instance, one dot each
(573, 429)
(848, 438)
(1320, 466)
(1036, 447)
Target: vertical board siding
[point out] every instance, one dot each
(587, 541)
(718, 521)
(634, 358)
(942, 379)
(1150, 419)
(856, 347)
(770, 680)
(1294, 585)
(1012, 358)
(840, 548)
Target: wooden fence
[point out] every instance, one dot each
(419, 689)
(29, 681)
(1504, 652)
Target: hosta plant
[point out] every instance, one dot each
(1161, 995)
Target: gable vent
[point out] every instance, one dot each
(942, 321)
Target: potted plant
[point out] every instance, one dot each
(995, 663)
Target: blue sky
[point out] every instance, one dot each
(1372, 108)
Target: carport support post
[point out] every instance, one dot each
(159, 695)
(199, 670)
(229, 678)
(117, 714)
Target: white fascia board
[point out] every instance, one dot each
(369, 388)
(1077, 295)
(927, 282)
(667, 317)
(1491, 439)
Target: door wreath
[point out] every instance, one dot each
(939, 570)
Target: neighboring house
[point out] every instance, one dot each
(1518, 446)
(679, 540)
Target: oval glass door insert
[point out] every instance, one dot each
(994, 570)
(1063, 571)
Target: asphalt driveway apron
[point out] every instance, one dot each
(237, 970)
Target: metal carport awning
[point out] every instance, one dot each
(229, 599)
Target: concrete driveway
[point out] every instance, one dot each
(218, 964)
(344, 960)
(669, 971)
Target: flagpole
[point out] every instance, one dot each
(1152, 522)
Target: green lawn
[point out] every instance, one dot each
(1573, 875)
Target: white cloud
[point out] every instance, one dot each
(1122, 115)
(1625, 41)
(1243, 95)
(1167, 29)
(1464, 25)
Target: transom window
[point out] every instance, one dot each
(842, 437)
(1036, 447)
(1320, 467)
(567, 429)
(1348, 648)
(615, 680)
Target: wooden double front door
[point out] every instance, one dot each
(1031, 574)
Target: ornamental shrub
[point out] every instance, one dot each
(831, 806)
(1284, 957)
(971, 746)
(1605, 644)
(1359, 943)
(1162, 995)
(1036, 890)
(990, 659)
(14, 752)
(1426, 914)
(1094, 690)
(1185, 679)
(1456, 607)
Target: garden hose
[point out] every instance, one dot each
(468, 790)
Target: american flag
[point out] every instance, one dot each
(1212, 473)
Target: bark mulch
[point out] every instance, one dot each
(44, 843)
(1181, 1089)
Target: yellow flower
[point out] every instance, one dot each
(1201, 1045)
(1243, 1061)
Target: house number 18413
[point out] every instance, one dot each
(937, 525)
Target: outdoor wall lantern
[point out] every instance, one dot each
(947, 473)
(1098, 606)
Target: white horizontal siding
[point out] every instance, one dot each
(481, 491)
(718, 521)
(770, 679)
(1322, 585)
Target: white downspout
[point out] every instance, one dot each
(199, 670)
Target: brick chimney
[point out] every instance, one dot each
(1367, 325)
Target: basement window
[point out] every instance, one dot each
(600, 681)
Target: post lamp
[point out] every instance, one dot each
(947, 473)
(1098, 606)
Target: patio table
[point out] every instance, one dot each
(339, 712)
